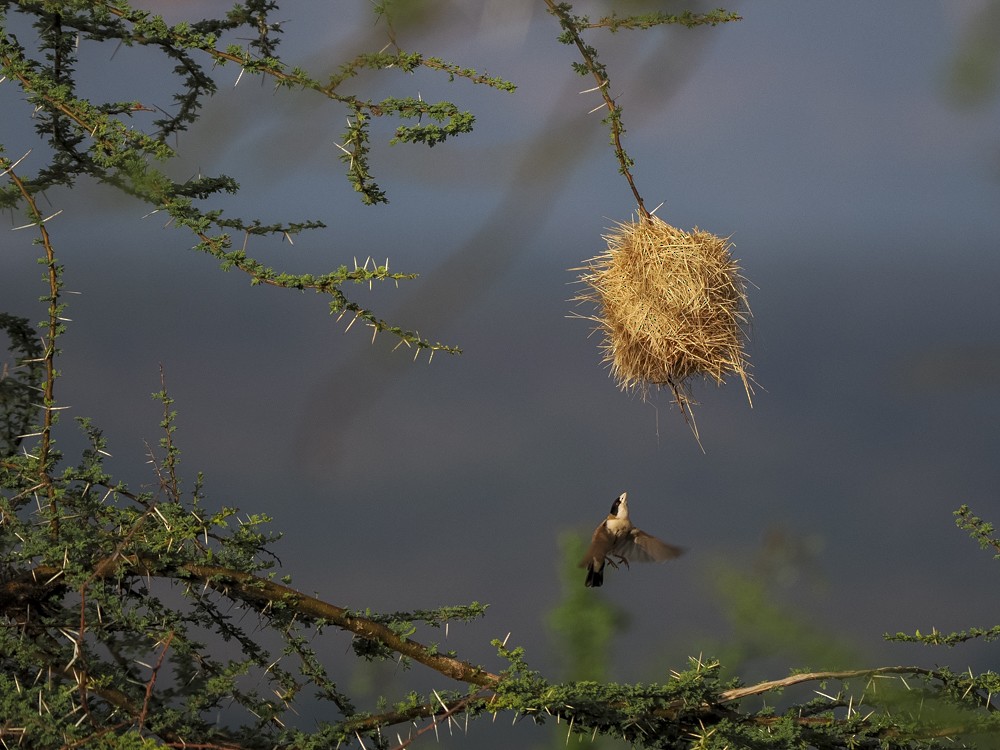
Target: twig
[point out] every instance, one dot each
(589, 56)
(152, 681)
(795, 679)
(438, 718)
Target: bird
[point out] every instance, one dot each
(616, 537)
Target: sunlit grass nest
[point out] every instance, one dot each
(672, 307)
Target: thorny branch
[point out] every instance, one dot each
(261, 594)
(52, 326)
(573, 26)
(599, 74)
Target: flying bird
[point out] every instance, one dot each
(616, 537)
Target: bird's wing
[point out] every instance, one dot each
(643, 547)
(601, 545)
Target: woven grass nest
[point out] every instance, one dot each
(671, 306)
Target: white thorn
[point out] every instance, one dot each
(11, 167)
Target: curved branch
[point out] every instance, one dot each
(795, 679)
(589, 56)
(52, 330)
(260, 594)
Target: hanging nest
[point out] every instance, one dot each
(671, 305)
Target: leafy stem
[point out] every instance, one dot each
(53, 327)
(102, 140)
(573, 27)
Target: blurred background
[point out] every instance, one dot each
(852, 152)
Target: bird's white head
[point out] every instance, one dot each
(619, 509)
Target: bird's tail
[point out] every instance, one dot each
(595, 576)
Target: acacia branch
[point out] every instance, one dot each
(261, 594)
(53, 328)
(141, 722)
(438, 712)
(795, 679)
(589, 56)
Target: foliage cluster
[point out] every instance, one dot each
(133, 620)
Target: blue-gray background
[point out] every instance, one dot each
(823, 137)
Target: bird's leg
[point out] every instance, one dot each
(622, 560)
(611, 562)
